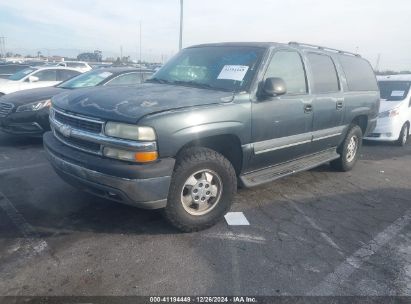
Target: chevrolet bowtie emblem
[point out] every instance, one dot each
(65, 130)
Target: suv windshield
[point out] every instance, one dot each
(89, 79)
(21, 74)
(229, 68)
(394, 90)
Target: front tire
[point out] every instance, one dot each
(402, 139)
(201, 190)
(349, 149)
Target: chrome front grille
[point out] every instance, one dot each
(77, 143)
(5, 109)
(374, 135)
(78, 122)
(87, 134)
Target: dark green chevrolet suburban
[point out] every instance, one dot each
(214, 117)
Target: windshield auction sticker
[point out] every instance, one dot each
(233, 72)
(397, 93)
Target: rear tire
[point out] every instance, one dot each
(201, 191)
(349, 149)
(402, 139)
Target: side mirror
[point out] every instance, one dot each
(33, 78)
(274, 86)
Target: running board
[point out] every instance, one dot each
(301, 164)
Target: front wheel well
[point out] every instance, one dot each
(228, 145)
(362, 122)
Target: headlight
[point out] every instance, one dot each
(390, 113)
(127, 131)
(34, 106)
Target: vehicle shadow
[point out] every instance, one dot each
(59, 213)
(19, 142)
(372, 150)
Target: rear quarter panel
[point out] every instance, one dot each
(357, 103)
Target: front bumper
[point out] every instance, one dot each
(26, 123)
(386, 129)
(145, 186)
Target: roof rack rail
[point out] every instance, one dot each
(322, 48)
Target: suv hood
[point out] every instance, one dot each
(26, 96)
(130, 103)
(386, 105)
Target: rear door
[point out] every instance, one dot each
(328, 102)
(281, 126)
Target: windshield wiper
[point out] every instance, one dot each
(158, 80)
(197, 84)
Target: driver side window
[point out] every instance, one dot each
(288, 65)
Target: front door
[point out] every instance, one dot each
(281, 126)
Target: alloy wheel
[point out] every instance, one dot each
(201, 192)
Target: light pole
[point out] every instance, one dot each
(181, 25)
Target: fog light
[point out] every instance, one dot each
(141, 157)
(388, 134)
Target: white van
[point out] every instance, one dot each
(393, 122)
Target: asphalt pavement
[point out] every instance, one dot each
(319, 232)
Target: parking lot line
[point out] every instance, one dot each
(341, 274)
(316, 227)
(2, 171)
(35, 242)
(241, 237)
(235, 270)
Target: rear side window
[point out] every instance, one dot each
(359, 74)
(288, 66)
(324, 74)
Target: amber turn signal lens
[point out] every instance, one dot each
(145, 157)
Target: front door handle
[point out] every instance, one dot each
(308, 108)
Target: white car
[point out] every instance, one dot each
(36, 77)
(393, 122)
(77, 65)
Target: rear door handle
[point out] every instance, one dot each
(308, 108)
(339, 105)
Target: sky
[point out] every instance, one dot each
(373, 28)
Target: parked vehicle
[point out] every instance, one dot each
(77, 65)
(27, 112)
(35, 77)
(8, 69)
(393, 122)
(214, 115)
